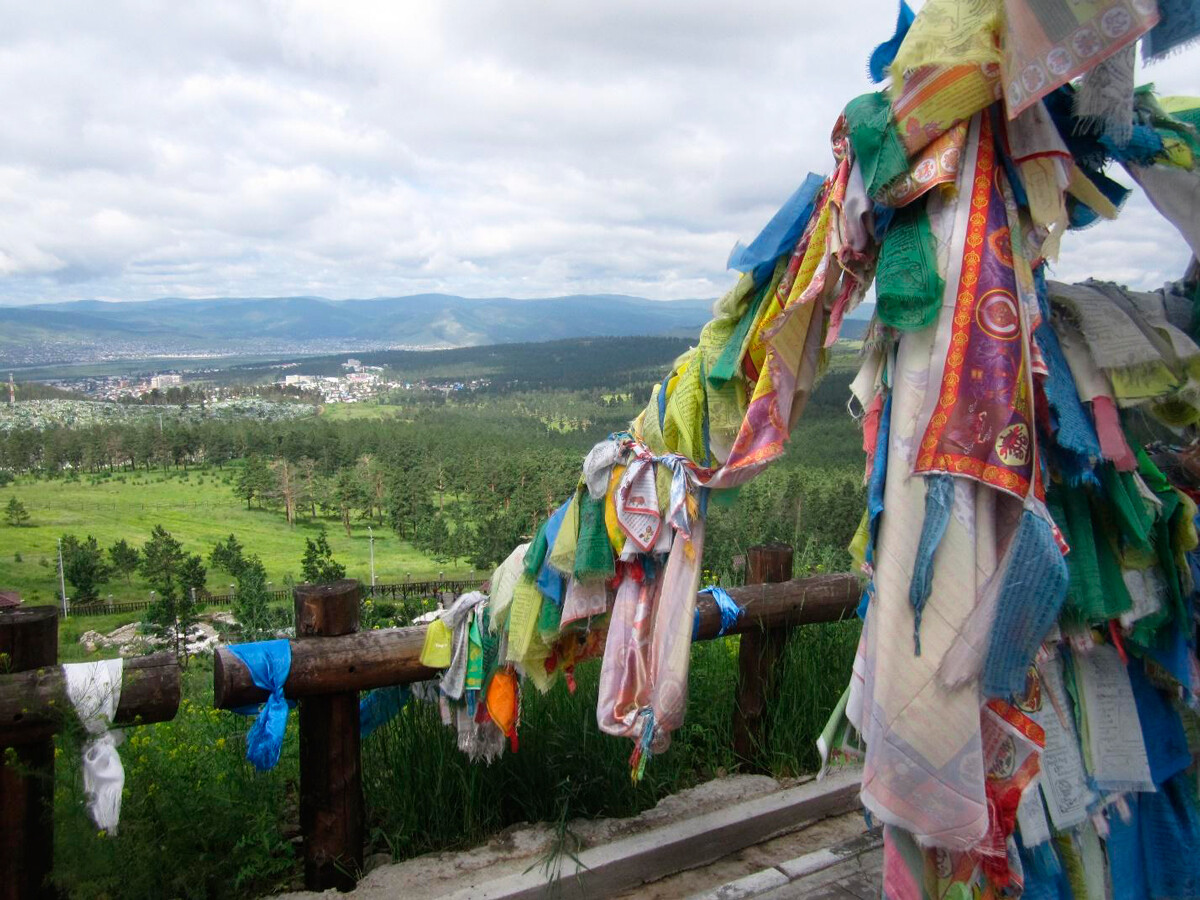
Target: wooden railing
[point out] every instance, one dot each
(332, 661)
(396, 592)
(33, 707)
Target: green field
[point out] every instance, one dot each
(198, 508)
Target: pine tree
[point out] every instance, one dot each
(15, 513)
(84, 567)
(254, 481)
(125, 559)
(228, 556)
(318, 564)
(174, 575)
(250, 603)
(350, 494)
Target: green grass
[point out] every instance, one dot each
(198, 509)
(367, 409)
(198, 821)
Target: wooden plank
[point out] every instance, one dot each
(28, 642)
(646, 857)
(371, 659)
(37, 699)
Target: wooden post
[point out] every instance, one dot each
(759, 655)
(331, 797)
(28, 640)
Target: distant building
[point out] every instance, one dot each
(165, 381)
(352, 364)
(299, 379)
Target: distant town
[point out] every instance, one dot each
(356, 382)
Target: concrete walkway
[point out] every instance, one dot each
(731, 838)
(849, 870)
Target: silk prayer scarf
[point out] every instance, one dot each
(908, 288)
(979, 421)
(1050, 42)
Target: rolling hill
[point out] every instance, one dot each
(54, 332)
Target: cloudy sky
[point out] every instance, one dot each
(480, 147)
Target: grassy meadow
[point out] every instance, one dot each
(199, 508)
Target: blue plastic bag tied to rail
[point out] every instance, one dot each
(269, 663)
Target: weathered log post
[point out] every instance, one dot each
(759, 655)
(331, 795)
(28, 641)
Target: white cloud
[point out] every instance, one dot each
(481, 147)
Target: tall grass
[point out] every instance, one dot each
(424, 795)
(198, 821)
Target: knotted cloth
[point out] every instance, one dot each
(730, 611)
(94, 689)
(269, 663)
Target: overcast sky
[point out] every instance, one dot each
(486, 147)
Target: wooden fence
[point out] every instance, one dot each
(33, 707)
(396, 593)
(332, 661)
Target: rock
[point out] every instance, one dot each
(125, 634)
(91, 638)
(375, 860)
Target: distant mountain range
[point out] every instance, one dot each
(57, 332)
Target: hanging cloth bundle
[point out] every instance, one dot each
(95, 691)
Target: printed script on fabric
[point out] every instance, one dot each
(982, 424)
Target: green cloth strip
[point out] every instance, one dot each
(908, 288)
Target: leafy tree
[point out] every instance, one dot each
(228, 556)
(318, 564)
(125, 559)
(84, 567)
(251, 602)
(173, 574)
(15, 513)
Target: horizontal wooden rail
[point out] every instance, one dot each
(372, 659)
(37, 699)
